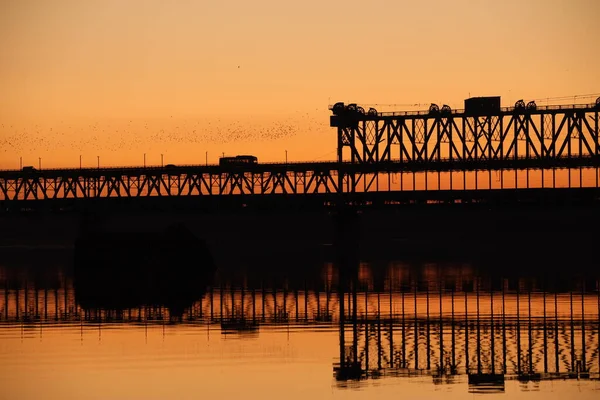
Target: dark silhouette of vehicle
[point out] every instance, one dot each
(238, 161)
(29, 169)
(483, 105)
(172, 170)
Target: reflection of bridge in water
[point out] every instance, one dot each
(488, 336)
(510, 330)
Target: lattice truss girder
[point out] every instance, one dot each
(543, 136)
(417, 143)
(202, 184)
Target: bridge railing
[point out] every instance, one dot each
(503, 110)
(159, 167)
(180, 168)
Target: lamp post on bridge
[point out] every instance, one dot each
(162, 164)
(144, 160)
(80, 161)
(39, 163)
(98, 162)
(286, 156)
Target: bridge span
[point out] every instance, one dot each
(441, 155)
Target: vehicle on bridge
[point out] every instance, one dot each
(483, 105)
(30, 171)
(238, 161)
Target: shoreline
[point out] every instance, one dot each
(482, 236)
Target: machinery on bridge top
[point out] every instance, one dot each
(474, 106)
(483, 130)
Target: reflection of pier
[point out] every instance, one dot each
(233, 308)
(489, 336)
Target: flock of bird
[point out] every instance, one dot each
(132, 135)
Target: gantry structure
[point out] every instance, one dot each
(481, 137)
(482, 153)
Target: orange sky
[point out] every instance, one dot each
(119, 79)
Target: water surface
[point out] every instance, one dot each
(422, 331)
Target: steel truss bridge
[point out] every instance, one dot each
(383, 158)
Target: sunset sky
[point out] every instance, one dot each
(187, 79)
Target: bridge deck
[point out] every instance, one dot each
(393, 166)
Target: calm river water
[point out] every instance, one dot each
(394, 329)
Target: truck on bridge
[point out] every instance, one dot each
(238, 161)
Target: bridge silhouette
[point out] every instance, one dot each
(524, 153)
